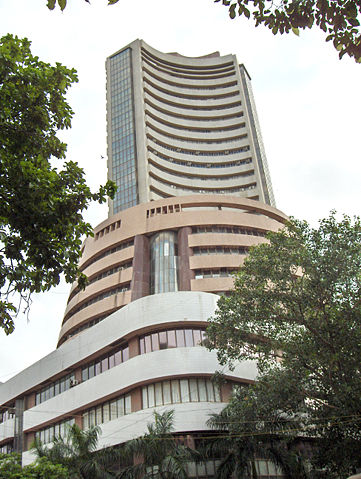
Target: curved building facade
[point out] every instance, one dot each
(194, 194)
(179, 126)
(187, 243)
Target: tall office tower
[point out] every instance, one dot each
(194, 195)
(179, 126)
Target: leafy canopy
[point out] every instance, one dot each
(10, 468)
(78, 452)
(41, 206)
(296, 311)
(338, 19)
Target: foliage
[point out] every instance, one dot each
(77, 451)
(249, 431)
(296, 310)
(338, 19)
(10, 468)
(160, 455)
(41, 222)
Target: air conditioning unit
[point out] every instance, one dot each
(73, 382)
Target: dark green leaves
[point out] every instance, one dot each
(338, 19)
(296, 311)
(41, 205)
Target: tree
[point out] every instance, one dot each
(77, 451)
(250, 433)
(160, 455)
(338, 19)
(10, 468)
(41, 207)
(296, 311)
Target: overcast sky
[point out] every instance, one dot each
(308, 104)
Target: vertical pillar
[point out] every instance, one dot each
(141, 268)
(18, 432)
(133, 345)
(184, 252)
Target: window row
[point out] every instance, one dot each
(222, 191)
(99, 297)
(196, 177)
(191, 86)
(176, 127)
(87, 325)
(213, 273)
(180, 391)
(55, 388)
(107, 411)
(201, 250)
(172, 338)
(208, 141)
(188, 96)
(202, 153)
(104, 363)
(55, 430)
(7, 448)
(201, 165)
(6, 413)
(119, 247)
(227, 229)
(185, 106)
(197, 118)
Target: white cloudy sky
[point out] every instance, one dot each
(308, 103)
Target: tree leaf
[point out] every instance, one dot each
(296, 31)
(51, 4)
(62, 4)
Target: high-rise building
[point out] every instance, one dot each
(185, 150)
(179, 126)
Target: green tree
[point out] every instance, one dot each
(41, 206)
(77, 451)
(296, 311)
(249, 432)
(10, 468)
(158, 454)
(338, 19)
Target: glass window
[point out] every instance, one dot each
(197, 337)
(184, 388)
(98, 415)
(202, 389)
(158, 394)
(84, 374)
(145, 397)
(148, 345)
(111, 361)
(171, 339)
(175, 392)
(151, 402)
(98, 368)
(193, 390)
(105, 364)
(155, 342)
(188, 333)
(166, 393)
(118, 358)
(180, 338)
(128, 404)
(126, 354)
(86, 420)
(106, 415)
(113, 410)
(141, 346)
(120, 407)
(210, 391)
(163, 340)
